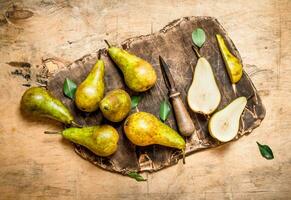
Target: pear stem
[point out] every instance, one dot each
(52, 132)
(99, 54)
(183, 153)
(76, 124)
(108, 44)
(248, 98)
(234, 88)
(196, 51)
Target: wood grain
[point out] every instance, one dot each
(173, 43)
(34, 166)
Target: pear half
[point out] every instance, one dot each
(203, 95)
(224, 124)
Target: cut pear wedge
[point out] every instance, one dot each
(203, 95)
(233, 65)
(224, 124)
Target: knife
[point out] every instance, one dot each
(184, 121)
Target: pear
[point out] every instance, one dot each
(224, 124)
(138, 74)
(203, 95)
(38, 102)
(116, 105)
(233, 65)
(101, 140)
(90, 92)
(144, 129)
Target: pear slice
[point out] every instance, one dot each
(233, 65)
(203, 95)
(224, 124)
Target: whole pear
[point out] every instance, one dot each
(138, 74)
(90, 92)
(101, 140)
(38, 101)
(144, 129)
(116, 105)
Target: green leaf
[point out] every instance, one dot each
(136, 176)
(164, 110)
(134, 101)
(266, 151)
(70, 88)
(198, 37)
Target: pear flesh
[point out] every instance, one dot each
(145, 129)
(203, 95)
(116, 105)
(39, 102)
(224, 124)
(233, 65)
(138, 74)
(90, 92)
(101, 140)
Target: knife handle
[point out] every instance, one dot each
(184, 121)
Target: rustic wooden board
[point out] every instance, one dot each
(173, 42)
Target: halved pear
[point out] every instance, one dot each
(203, 94)
(224, 124)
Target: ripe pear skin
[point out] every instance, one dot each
(138, 74)
(116, 105)
(90, 92)
(101, 140)
(224, 124)
(233, 65)
(203, 95)
(145, 129)
(38, 101)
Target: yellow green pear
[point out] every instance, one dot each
(145, 129)
(90, 92)
(116, 105)
(224, 124)
(138, 74)
(101, 140)
(233, 65)
(38, 102)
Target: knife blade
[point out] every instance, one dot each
(169, 81)
(184, 121)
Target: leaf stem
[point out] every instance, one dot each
(250, 97)
(76, 124)
(196, 51)
(108, 44)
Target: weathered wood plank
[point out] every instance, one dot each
(173, 42)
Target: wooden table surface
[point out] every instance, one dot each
(36, 166)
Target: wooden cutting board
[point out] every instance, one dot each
(173, 43)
